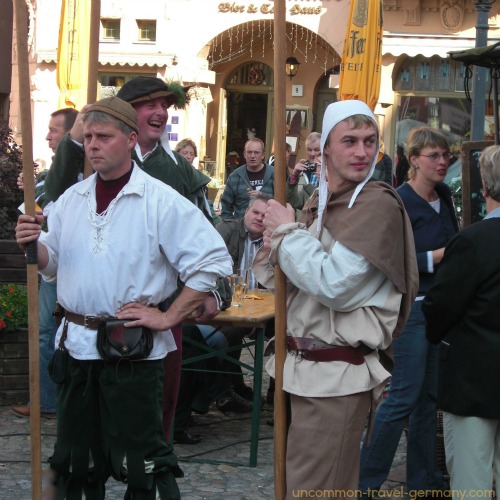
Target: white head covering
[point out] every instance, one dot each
(335, 113)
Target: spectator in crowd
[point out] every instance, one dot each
(288, 152)
(383, 170)
(462, 314)
(188, 149)
(60, 123)
(350, 263)
(243, 239)
(402, 166)
(304, 176)
(412, 393)
(247, 181)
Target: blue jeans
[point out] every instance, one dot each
(215, 340)
(47, 296)
(412, 397)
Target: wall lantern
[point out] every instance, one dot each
(292, 66)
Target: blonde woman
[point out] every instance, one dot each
(188, 149)
(412, 394)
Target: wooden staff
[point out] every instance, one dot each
(95, 14)
(31, 251)
(280, 417)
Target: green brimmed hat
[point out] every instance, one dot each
(146, 88)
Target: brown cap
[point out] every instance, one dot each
(117, 108)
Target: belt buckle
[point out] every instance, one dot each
(86, 319)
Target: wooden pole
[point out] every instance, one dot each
(95, 15)
(21, 17)
(280, 417)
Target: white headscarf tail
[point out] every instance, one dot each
(335, 113)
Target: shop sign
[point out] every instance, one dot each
(268, 8)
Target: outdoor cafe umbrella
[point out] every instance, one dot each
(73, 53)
(77, 55)
(362, 54)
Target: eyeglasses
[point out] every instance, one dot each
(253, 152)
(436, 156)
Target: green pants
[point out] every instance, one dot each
(109, 423)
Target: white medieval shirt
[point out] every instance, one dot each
(148, 236)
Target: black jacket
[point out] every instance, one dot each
(462, 310)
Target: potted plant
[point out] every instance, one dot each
(14, 360)
(13, 306)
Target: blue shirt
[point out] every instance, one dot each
(431, 230)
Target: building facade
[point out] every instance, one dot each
(225, 50)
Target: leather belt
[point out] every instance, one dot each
(89, 322)
(317, 350)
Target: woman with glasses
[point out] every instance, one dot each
(411, 398)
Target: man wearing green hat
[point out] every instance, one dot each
(109, 412)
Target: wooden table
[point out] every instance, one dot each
(252, 314)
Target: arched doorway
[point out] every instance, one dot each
(249, 101)
(243, 59)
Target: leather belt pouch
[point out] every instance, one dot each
(317, 350)
(116, 342)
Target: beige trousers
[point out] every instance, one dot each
(472, 447)
(323, 445)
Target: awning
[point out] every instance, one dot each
(194, 70)
(413, 46)
(118, 58)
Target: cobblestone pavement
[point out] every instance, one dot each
(225, 437)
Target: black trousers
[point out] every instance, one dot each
(109, 423)
(200, 381)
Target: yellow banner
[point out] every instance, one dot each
(362, 56)
(73, 53)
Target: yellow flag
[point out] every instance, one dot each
(73, 53)
(362, 56)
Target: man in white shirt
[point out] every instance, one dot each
(100, 231)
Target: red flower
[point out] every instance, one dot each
(8, 314)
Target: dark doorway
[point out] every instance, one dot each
(246, 115)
